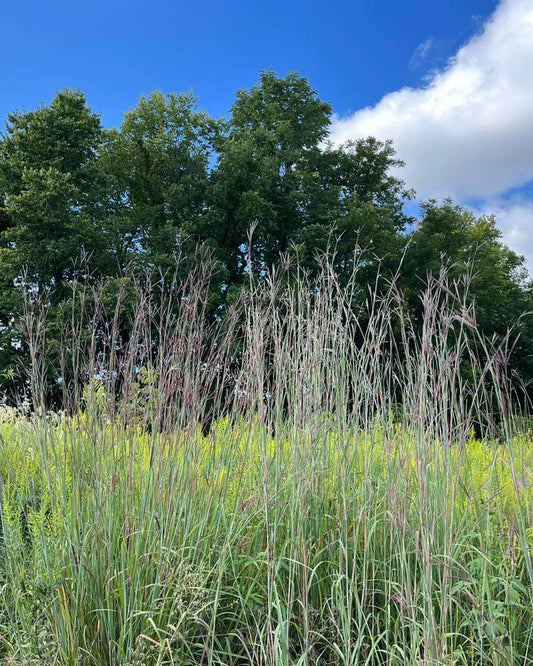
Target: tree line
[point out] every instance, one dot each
(262, 187)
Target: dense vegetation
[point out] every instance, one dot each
(77, 199)
(319, 521)
(254, 413)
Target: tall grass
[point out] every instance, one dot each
(295, 483)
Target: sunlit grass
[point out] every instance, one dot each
(320, 518)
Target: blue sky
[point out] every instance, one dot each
(448, 80)
(353, 52)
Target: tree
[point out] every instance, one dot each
(267, 170)
(277, 172)
(51, 208)
(50, 203)
(472, 246)
(363, 211)
(172, 179)
(158, 166)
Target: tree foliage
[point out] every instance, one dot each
(256, 189)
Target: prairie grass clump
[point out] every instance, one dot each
(315, 478)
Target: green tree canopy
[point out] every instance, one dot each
(50, 193)
(473, 248)
(172, 178)
(277, 172)
(267, 169)
(158, 166)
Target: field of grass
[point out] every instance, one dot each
(318, 521)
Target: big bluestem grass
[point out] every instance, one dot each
(295, 482)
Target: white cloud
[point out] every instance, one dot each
(515, 219)
(421, 53)
(468, 132)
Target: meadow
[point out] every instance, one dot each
(356, 489)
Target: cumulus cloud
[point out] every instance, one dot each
(468, 133)
(515, 220)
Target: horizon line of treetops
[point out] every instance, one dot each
(172, 177)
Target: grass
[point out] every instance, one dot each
(322, 501)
